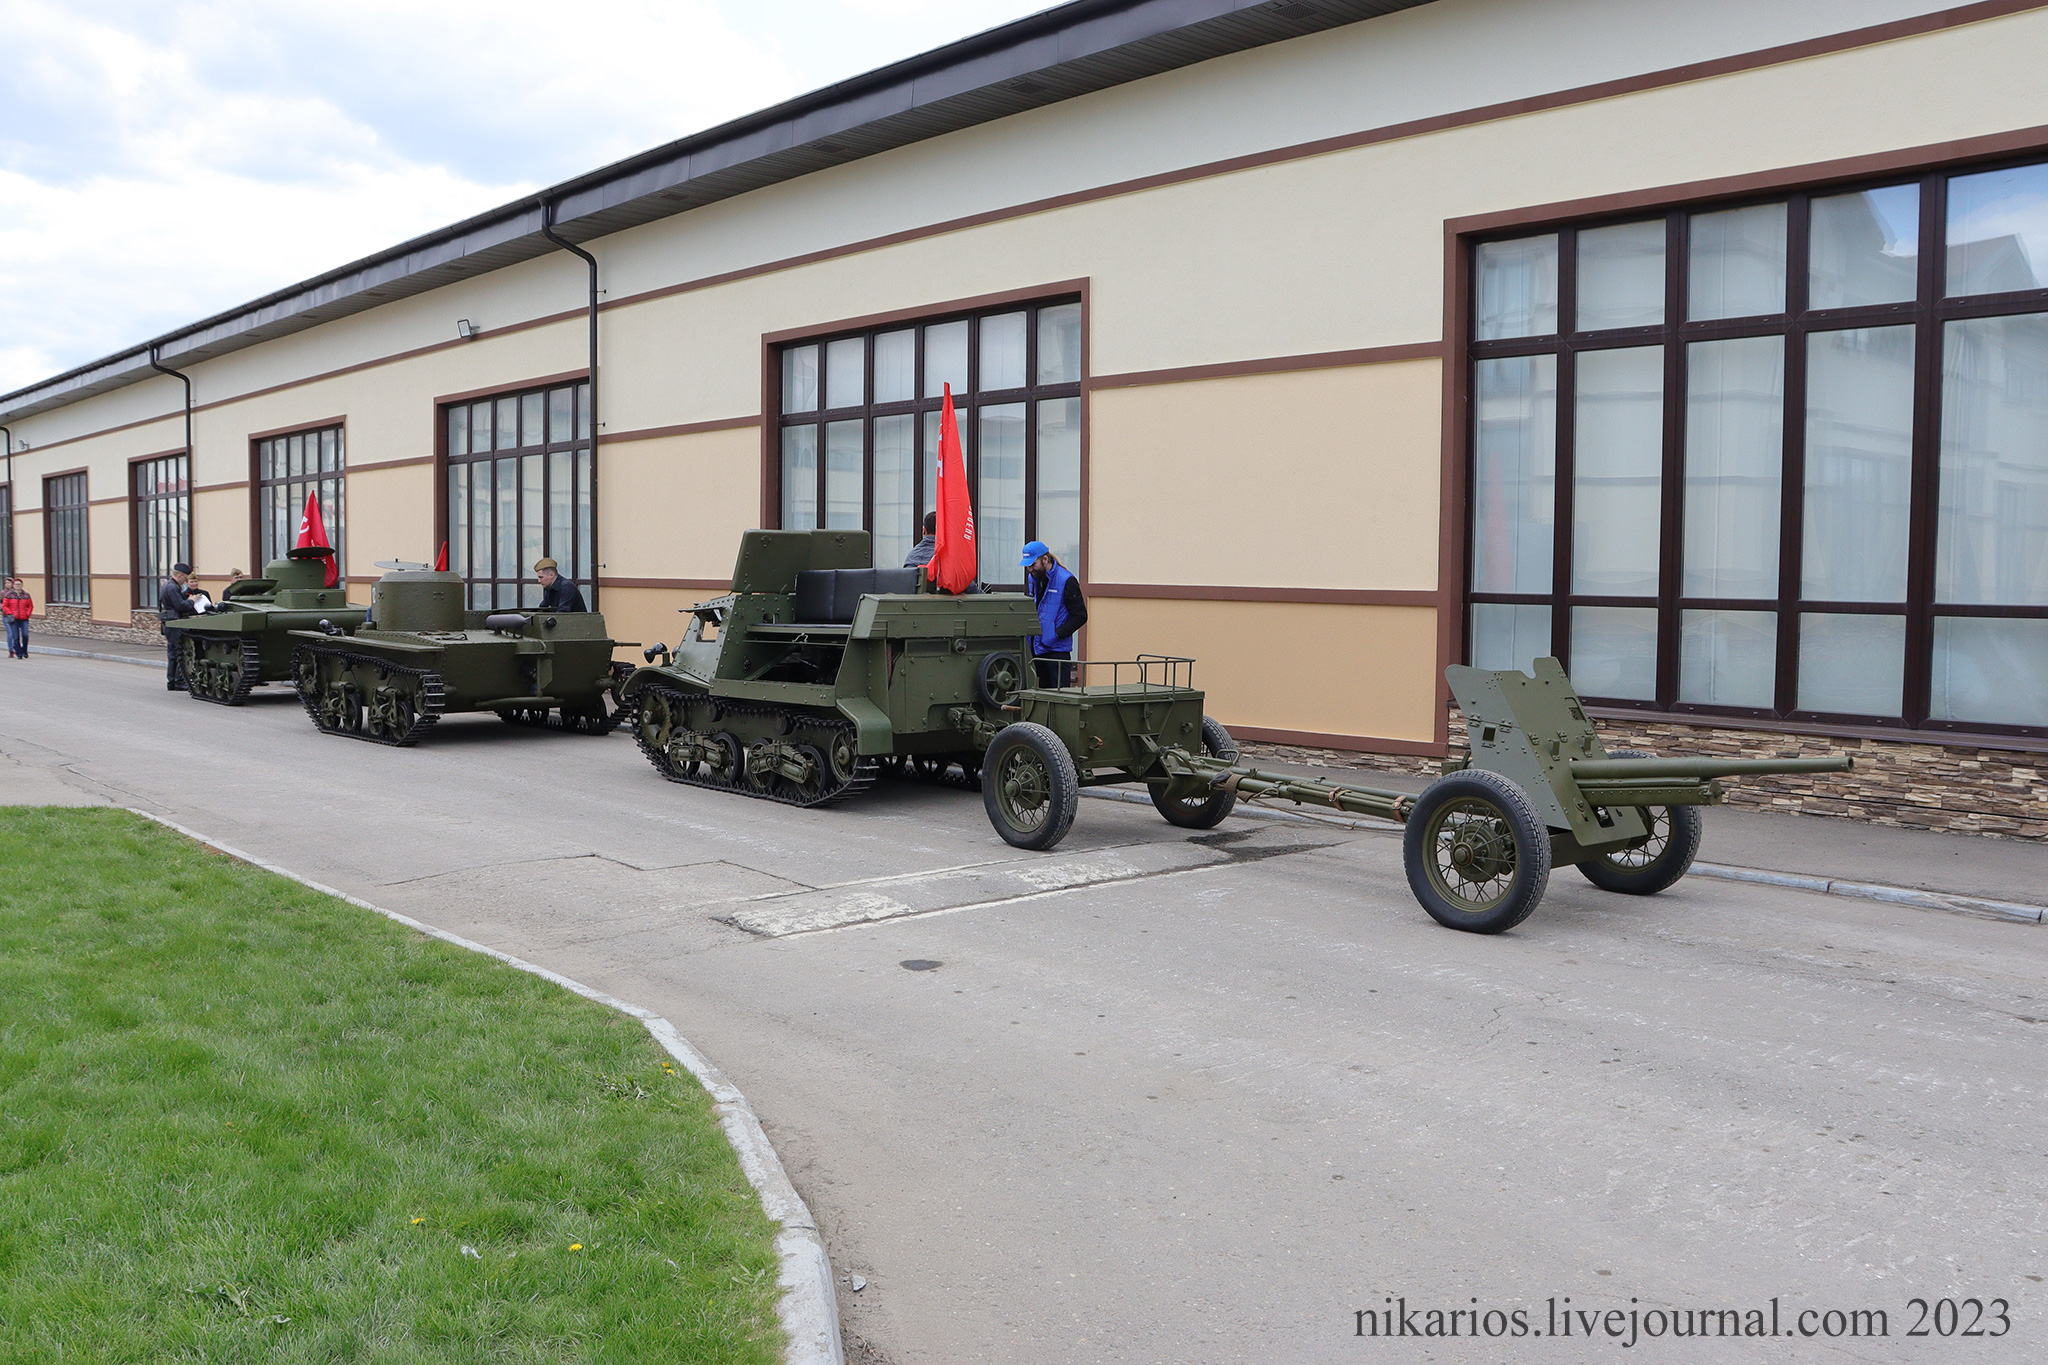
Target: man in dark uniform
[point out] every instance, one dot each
(922, 552)
(556, 592)
(173, 600)
(1061, 612)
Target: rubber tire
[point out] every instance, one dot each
(1207, 814)
(1532, 851)
(1064, 797)
(982, 691)
(1687, 825)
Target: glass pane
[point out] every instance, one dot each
(843, 475)
(895, 528)
(1002, 352)
(1738, 262)
(1998, 231)
(1059, 478)
(1059, 346)
(583, 413)
(1614, 652)
(945, 359)
(561, 502)
(1734, 464)
(1859, 464)
(1515, 288)
(479, 427)
(1991, 538)
(458, 431)
(1852, 664)
(928, 458)
(846, 382)
(586, 532)
(1990, 670)
(1506, 636)
(561, 415)
(1728, 658)
(458, 519)
(297, 447)
(800, 379)
(529, 593)
(799, 478)
(999, 512)
(1866, 248)
(1621, 276)
(480, 597)
(508, 423)
(531, 429)
(508, 518)
(480, 537)
(1514, 495)
(1617, 472)
(896, 367)
(533, 514)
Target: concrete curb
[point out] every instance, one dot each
(104, 657)
(2010, 912)
(809, 1307)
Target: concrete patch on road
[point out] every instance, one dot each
(27, 784)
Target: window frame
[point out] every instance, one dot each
(53, 511)
(973, 311)
(583, 438)
(1928, 313)
(144, 569)
(337, 526)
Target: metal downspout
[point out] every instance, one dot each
(186, 380)
(547, 230)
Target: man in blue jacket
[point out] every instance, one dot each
(1061, 612)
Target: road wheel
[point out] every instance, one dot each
(1674, 842)
(1477, 855)
(817, 778)
(723, 762)
(1030, 789)
(997, 679)
(1202, 812)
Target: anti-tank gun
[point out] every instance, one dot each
(1537, 791)
(245, 639)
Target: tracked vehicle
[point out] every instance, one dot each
(817, 672)
(421, 656)
(246, 640)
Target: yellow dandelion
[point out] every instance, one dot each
(575, 1246)
(417, 1221)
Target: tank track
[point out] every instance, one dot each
(247, 677)
(427, 711)
(803, 727)
(575, 722)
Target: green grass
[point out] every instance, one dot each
(243, 1121)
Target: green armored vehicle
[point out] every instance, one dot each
(420, 656)
(817, 671)
(246, 640)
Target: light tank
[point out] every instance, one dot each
(246, 639)
(421, 656)
(817, 672)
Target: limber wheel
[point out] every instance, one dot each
(1644, 871)
(1029, 786)
(1477, 855)
(1202, 812)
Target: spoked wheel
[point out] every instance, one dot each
(1477, 855)
(392, 714)
(1030, 788)
(305, 674)
(337, 709)
(817, 778)
(757, 781)
(842, 759)
(1202, 812)
(998, 678)
(1644, 871)
(725, 760)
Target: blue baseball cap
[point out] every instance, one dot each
(1033, 551)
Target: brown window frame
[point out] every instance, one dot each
(261, 483)
(150, 558)
(55, 513)
(967, 407)
(1928, 313)
(580, 557)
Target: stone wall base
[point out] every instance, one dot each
(1955, 789)
(77, 622)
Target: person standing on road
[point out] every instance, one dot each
(922, 552)
(556, 592)
(17, 606)
(1061, 612)
(173, 601)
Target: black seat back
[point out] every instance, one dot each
(847, 588)
(814, 595)
(896, 580)
(830, 597)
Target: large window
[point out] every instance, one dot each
(64, 538)
(288, 470)
(1774, 460)
(519, 490)
(860, 430)
(162, 491)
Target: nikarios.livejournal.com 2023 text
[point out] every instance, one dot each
(1947, 1317)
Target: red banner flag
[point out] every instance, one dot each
(313, 531)
(441, 564)
(953, 565)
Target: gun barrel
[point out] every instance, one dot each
(1652, 769)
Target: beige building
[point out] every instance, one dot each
(1330, 341)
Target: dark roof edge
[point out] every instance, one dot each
(1081, 46)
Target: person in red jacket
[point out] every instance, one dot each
(17, 606)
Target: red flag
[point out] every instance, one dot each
(953, 566)
(441, 564)
(313, 531)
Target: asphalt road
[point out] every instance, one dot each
(1174, 1098)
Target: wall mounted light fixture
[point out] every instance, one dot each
(465, 329)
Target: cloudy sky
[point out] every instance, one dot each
(161, 160)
